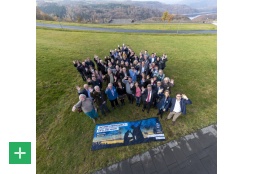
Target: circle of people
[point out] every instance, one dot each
(127, 75)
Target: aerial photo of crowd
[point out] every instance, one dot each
(126, 77)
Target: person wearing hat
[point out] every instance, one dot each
(148, 97)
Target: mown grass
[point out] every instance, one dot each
(143, 26)
(64, 138)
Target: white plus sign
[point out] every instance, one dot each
(19, 153)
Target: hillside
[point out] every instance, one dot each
(98, 13)
(43, 16)
(205, 18)
(172, 8)
(107, 12)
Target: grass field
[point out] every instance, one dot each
(64, 138)
(144, 26)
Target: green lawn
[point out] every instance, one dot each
(144, 26)
(64, 138)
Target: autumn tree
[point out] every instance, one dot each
(167, 16)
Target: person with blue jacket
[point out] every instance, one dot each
(164, 104)
(112, 95)
(133, 73)
(178, 107)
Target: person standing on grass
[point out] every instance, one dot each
(143, 82)
(88, 63)
(124, 73)
(159, 92)
(178, 107)
(136, 89)
(85, 90)
(148, 96)
(129, 84)
(143, 68)
(117, 72)
(164, 103)
(109, 77)
(80, 68)
(121, 89)
(94, 81)
(168, 83)
(152, 59)
(160, 75)
(112, 95)
(100, 99)
(86, 104)
(133, 73)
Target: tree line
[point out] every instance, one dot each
(95, 13)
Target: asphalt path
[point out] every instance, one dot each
(69, 27)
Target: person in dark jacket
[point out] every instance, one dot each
(89, 63)
(85, 90)
(94, 82)
(102, 67)
(167, 83)
(109, 77)
(100, 99)
(143, 80)
(164, 103)
(124, 73)
(148, 96)
(121, 89)
(160, 75)
(117, 71)
(159, 92)
(163, 61)
(80, 68)
(97, 60)
(178, 107)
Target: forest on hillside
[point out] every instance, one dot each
(106, 12)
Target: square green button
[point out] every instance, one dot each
(19, 152)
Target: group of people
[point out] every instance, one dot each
(124, 74)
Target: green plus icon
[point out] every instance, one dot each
(19, 152)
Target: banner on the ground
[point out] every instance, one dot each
(127, 133)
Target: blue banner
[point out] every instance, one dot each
(127, 133)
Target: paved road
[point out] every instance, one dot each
(125, 30)
(195, 153)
